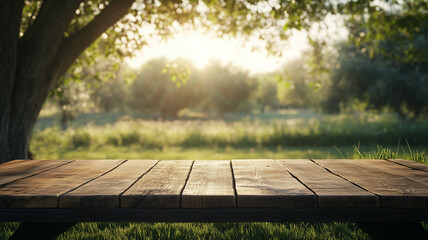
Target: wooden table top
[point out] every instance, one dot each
(188, 184)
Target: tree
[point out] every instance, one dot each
(385, 63)
(298, 85)
(153, 90)
(40, 40)
(380, 81)
(266, 93)
(35, 53)
(224, 88)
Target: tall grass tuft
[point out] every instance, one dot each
(386, 153)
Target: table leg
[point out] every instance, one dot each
(394, 230)
(41, 230)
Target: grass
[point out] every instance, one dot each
(274, 131)
(404, 152)
(177, 153)
(289, 134)
(104, 230)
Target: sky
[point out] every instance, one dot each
(200, 48)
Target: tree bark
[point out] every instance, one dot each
(33, 82)
(31, 65)
(10, 18)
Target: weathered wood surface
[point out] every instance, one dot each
(394, 191)
(18, 169)
(419, 176)
(43, 190)
(161, 187)
(411, 164)
(105, 191)
(331, 190)
(259, 183)
(210, 185)
(265, 183)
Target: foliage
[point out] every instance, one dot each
(225, 88)
(298, 87)
(71, 100)
(153, 91)
(390, 28)
(380, 81)
(260, 19)
(213, 88)
(268, 21)
(80, 139)
(110, 95)
(266, 92)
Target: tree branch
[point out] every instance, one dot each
(74, 45)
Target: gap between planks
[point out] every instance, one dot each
(377, 195)
(409, 164)
(37, 173)
(180, 201)
(59, 197)
(234, 184)
(142, 175)
(316, 195)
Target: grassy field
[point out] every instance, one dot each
(284, 134)
(206, 231)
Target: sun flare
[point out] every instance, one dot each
(201, 48)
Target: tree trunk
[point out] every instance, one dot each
(33, 79)
(10, 17)
(31, 65)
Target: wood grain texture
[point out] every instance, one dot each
(265, 183)
(210, 185)
(43, 190)
(388, 166)
(332, 191)
(411, 164)
(105, 191)
(394, 191)
(18, 169)
(161, 187)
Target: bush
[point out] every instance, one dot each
(81, 139)
(129, 138)
(113, 139)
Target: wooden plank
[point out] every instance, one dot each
(43, 190)
(105, 191)
(264, 183)
(416, 175)
(411, 164)
(332, 191)
(18, 169)
(210, 185)
(395, 191)
(161, 187)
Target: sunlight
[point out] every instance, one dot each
(201, 48)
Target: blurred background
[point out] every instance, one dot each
(325, 94)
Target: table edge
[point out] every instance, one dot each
(213, 215)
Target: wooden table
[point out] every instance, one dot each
(215, 191)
